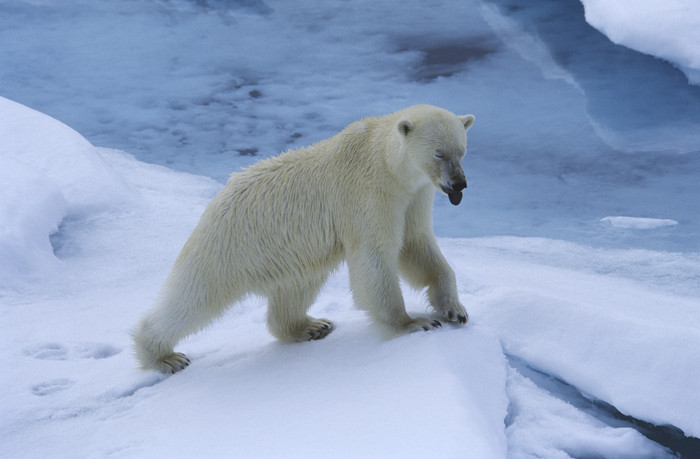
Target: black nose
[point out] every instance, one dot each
(459, 186)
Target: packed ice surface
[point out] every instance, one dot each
(605, 297)
(670, 29)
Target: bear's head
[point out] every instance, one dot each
(435, 141)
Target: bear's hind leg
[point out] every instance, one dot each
(175, 316)
(155, 351)
(286, 314)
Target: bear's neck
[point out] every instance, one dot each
(408, 177)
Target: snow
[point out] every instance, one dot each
(79, 183)
(639, 222)
(610, 338)
(669, 30)
(24, 234)
(576, 247)
(539, 418)
(83, 178)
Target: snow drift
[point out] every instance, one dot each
(49, 172)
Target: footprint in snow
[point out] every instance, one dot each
(51, 387)
(56, 351)
(47, 351)
(97, 350)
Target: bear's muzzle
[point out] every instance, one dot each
(454, 192)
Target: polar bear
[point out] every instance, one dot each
(279, 228)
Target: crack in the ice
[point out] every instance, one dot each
(668, 436)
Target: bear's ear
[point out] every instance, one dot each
(467, 120)
(405, 126)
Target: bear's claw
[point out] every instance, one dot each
(423, 324)
(433, 324)
(318, 329)
(174, 362)
(456, 317)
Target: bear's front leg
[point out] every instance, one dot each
(447, 304)
(375, 286)
(423, 265)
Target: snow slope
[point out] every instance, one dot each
(604, 320)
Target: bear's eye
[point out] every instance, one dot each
(439, 155)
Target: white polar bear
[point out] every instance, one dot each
(280, 227)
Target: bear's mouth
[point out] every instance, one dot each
(455, 197)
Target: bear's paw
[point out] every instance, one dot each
(456, 316)
(172, 363)
(318, 329)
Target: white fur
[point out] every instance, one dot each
(281, 226)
